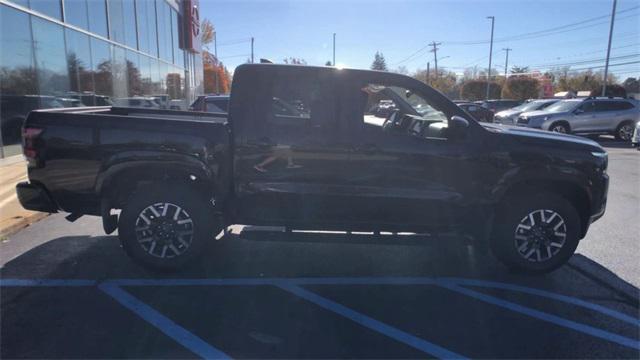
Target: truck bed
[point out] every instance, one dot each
(80, 151)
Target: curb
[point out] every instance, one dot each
(606, 278)
(22, 223)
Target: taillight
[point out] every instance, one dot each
(29, 136)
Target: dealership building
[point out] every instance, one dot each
(97, 52)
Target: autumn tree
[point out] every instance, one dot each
(294, 61)
(379, 63)
(477, 89)
(216, 76)
(520, 88)
(519, 69)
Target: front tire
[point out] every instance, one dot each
(536, 234)
(560, 127)
(163, 228)
(624, 132)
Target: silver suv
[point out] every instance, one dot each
(590, 116)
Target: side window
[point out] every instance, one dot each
(398, 110)
(297, 109)
(622, 105)
(601, 106)
(472, 108)
(587, 106)
(213, 107)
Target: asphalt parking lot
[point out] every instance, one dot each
(67, 291)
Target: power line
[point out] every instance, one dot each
(583, 62)
(610, 65)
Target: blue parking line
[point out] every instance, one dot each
(163, 323)
(368, 322)
(46, 282)
(542, 293)
(583, 328)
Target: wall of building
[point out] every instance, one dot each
(92, 52)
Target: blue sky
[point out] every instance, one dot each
(399, 29)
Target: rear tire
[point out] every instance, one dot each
(536, 234)
(560, 127)
(163, 227)
(624, 131)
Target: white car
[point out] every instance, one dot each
(635, 140)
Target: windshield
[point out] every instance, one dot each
(563, 106)
(530, 106)
(418, 103)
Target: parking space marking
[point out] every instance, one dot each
(293, 285)
(368, 322)
(163, 323)
(546, 294)
(583, 328)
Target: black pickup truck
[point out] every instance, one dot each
(300, 148)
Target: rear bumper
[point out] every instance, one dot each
(35, 197)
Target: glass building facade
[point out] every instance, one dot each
(91, 53)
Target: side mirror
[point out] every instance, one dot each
(578, 111)
(458, 126)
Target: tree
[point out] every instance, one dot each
(477, 89)
(610, 90)
(216, 76)
(520, 88)
(402, 70)
(519, 69)
(379, 63)
(632, 85)
(207, 31)
(328, 63)
(446, 81)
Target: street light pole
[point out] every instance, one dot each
(493, 19)
(252, 49)
(506, 62)
(215, 53)
(334, 49)
(606, 65)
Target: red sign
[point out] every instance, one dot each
(191, 23)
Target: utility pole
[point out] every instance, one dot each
(252, 49)
(215, 53)
(428, 73)
(506, 62)
(606, 65)
(334, 49)
(435, 55)
(493, 19)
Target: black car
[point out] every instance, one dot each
(500, 105)
(478, 112)
(179, 177)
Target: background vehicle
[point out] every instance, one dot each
(211, 103)
(510, 116)
(142, 102)
(478, 112)
(14, 110)
(499, 105)
(635, 140)
(590, 116)
(179, 177)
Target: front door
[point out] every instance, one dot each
(291, 152)
(404, 169)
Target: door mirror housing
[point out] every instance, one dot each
(578, 111)
(458, 126)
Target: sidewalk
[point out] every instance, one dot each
(13, 217)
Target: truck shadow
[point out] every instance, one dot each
(270, 254)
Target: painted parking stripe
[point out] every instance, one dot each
(163, 323)
(378, 326)
(583, 328)
(46, 282)
(542, 293)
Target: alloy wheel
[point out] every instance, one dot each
(626, 132)
(540, 235)
(164, 230)
(559, 129)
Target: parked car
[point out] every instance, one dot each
(141, 102)
(635, 140)
(180, 177)
(478, 112)
(590, 116)
(14, 110)
(211, 103)
(499, 105)
(510, 116)
(384, 108)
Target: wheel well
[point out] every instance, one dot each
(563, 122)
(571, 192)
(125, 183)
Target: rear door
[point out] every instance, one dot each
(584, 117)
(291, 152)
